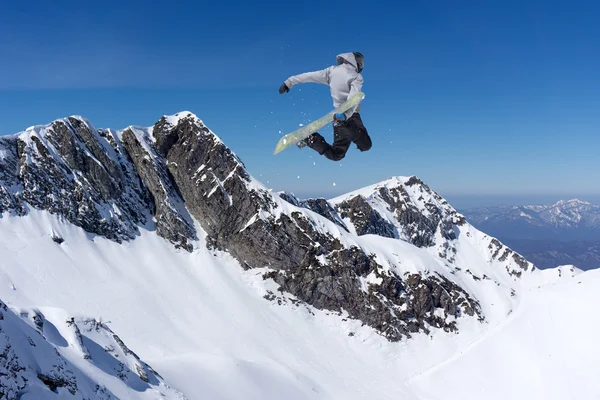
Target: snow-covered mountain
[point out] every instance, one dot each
(567, 232)
(564, 220)
(231, 291)
(53, 351)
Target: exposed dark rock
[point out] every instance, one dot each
(57, 239)
(73, 172)
(520, 260)
(164, 135)
(412, 221)
(320, 206)
(419, 216)
(413, 280)
(38, 321)
(12, 379)
(172, 220)
(59, 381)
(93, 180)
(9, 179)
(391, 307)
(502, 253)
(365, 219)
(290, 198)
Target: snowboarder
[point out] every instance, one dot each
(344, 80)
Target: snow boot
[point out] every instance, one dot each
(307, 141)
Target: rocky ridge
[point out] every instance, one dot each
(113, 183)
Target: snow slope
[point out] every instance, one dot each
(547, 349)
(202, 323)
(49, 354)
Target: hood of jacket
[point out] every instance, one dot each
(347, 58)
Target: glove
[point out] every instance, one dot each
(283, 88)
(340, 117)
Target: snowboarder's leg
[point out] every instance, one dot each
(358, 132)
(336, 151)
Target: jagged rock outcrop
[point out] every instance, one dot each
(394, 306)
(219, 193)
(320, 205)
(503, 253)
(172, 219)
(306, 259)
(416, 218)
(407, 209)
(9, 180)
(365, 219)
(66, 170)
(92, 179)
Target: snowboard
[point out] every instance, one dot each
(305, 131)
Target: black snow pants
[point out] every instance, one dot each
(344, 133)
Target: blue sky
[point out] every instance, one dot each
(494, 99)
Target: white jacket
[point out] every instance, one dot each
(343, 80)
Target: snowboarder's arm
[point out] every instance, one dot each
(356, 87)
(321, 76)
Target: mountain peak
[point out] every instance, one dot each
(41, 128)
(571, 202)
(175, 118)
(564, 220)
(390, 183)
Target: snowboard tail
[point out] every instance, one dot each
(307, 130)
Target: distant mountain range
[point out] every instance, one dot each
(564, 220)
(566, 232)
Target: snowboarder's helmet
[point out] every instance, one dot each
(360, 60)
